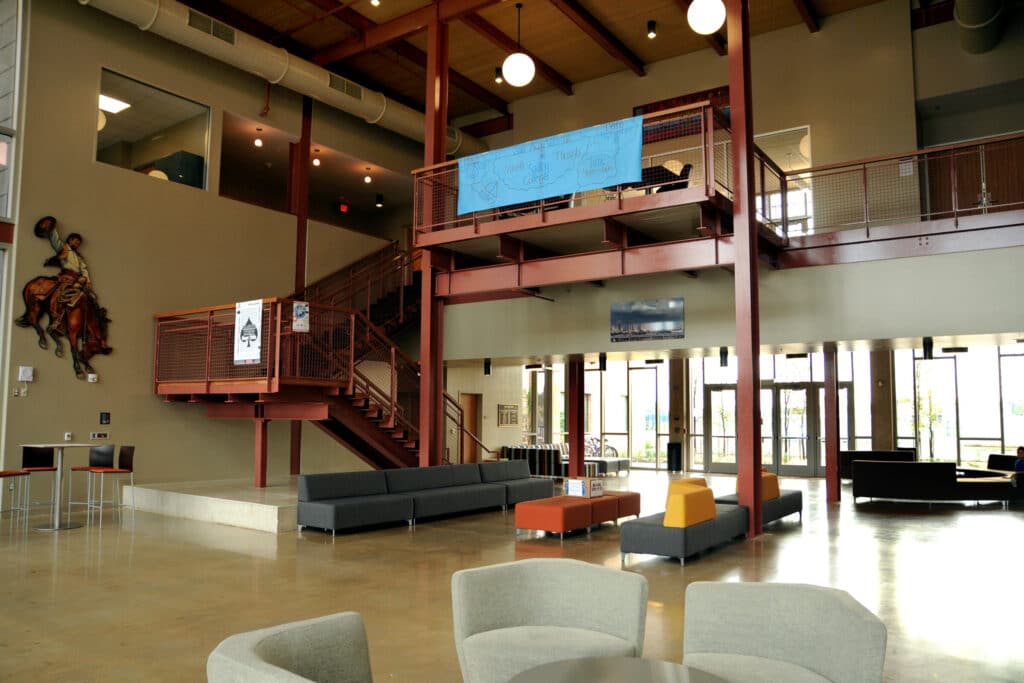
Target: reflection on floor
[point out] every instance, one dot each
(113, 602)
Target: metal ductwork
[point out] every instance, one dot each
(980, 23)
(185, 26)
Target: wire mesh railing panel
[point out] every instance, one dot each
(321, 354)
(182, 349)
(893, 191)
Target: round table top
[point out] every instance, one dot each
(615, 670)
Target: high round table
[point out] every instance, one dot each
(615, 670)
(56, 523)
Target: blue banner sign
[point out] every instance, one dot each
(557, 166)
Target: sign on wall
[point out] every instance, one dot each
(248, 331)
(508, 415)
(300, 316)
(556, 166)
(650, 319)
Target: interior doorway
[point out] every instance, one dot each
(472, 416)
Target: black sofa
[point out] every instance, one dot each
(846, 459)
(999, 461)
(347, 500)
(931, 481)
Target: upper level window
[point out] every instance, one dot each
(151, 131)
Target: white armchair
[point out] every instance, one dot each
(331, 649)
(781, 632)
(515, 616)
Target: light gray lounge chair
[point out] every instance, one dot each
(781, 632)
(330, 649)
(515, 616)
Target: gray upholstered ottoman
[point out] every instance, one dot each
(787, 503)
(649, 536)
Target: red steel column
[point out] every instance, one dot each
(748, 337)
(574, 389)
(832, 490)
(261, 452)
(431, 308)
(298, 201)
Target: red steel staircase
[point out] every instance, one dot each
(345, 374)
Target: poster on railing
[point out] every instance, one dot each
(558, 166)
(248, 331)
(300, 316)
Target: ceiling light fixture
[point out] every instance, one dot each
(498, 78)
(375, 3)
(706, 16)
(258, 141)
(112, 105)
(316, 160)
(367, 178)
(518, 68)
(101, 122)
(652, 29)
(380, 200)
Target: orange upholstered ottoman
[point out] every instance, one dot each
(604, 509)
(629, 502)
(557, 515)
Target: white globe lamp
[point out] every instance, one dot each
(706, 16)
(518, 69)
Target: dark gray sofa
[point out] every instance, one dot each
(931, 481)
(346, 500)
(846, 459)
(787, 503)
(445, 490)
(649, 536)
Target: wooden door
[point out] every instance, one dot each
(472, 409)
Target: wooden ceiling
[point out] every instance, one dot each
(571, 40)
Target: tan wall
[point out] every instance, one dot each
(900, 298)
(941, 67)
(504, 385)
(866, 52)
(151, 246)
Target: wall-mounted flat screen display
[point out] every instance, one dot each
(650, 319)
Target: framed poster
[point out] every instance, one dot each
(645, 320)
(508, 415)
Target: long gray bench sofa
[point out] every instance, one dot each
(649, 535)
(787, 503)
(347, 500)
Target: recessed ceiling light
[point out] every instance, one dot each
(375, 3)
(367, 178)
(112, 105)
(258, 141)
(316, 160)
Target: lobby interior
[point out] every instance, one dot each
(145, 596)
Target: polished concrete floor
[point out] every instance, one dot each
(147, 601)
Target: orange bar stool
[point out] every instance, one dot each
(99, 456)
(38, 459)
(125, 465)
(20, 477)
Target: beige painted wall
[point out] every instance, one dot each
(866, 52)
(151, 246)
(942, 67)
(954, 294)
(503, 385)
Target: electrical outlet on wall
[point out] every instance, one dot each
(67, 436)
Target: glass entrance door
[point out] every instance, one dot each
(720, 429)
(937, 410)
(643, 417)
(797, 430)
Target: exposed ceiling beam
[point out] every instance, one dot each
(494, 34)
(599, 34)
(715, 41)
(399, 28)
(808, 14)
(460, 81)
(516, 250)
(618, 235)
(482, 129)
(413, 54)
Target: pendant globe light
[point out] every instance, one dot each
(706, 16)
(518, 68)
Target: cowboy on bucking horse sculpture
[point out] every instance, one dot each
(68, 299)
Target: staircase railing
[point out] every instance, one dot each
(362, 285)
(455, 429)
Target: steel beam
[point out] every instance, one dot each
(506, 44)
(261, 452)
(618, 235)
(745, 235)
(574, 390)
(808, 14)
(597, 32)
(298, 190)
(400, 28)
(832, 490)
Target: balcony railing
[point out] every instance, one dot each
(953, 181)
